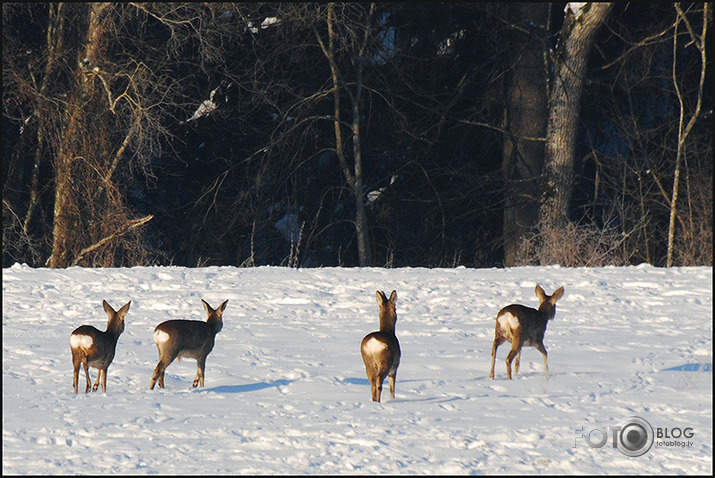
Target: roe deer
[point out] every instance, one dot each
(187, 338)
(381, 350)
(524, 326)
(94, 348)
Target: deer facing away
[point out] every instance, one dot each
(381, 350)
(93, 348)
(524, 326)
(187, 338)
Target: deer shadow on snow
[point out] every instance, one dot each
(250, 387)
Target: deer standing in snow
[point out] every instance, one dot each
(187, 338)
(524, 326)
(93, 348)
(381, 350)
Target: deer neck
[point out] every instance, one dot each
(215, 324)
(387, 321)
(115, 327)
(547, 310)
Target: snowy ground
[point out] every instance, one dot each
(286, 390)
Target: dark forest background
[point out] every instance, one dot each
(346, 134)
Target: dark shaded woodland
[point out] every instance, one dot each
(357, 134)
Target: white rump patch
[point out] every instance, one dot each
(80, 340)
(508, 322)
(160, 336)
(373, 346)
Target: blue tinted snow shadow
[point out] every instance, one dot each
(692, 367)
(356, 381)
(251, 387)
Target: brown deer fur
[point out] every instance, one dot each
(524, 326)
(381, 350)
(93, 348)
(187, 338)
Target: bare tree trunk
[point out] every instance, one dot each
(55, 32)
(361, 223)
(576, 38)
(65, 230)
(63, 220)
(354, 176)
(684, 129)
(526, 125)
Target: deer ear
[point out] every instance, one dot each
(540, 292)
(393, 297)
(222, 306)
(558, 293)
(381, 299)
(207, 306)
(107, 308)
(125, 308)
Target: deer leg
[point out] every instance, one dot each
(375, 384)
(540, 347)
(517, 361)
(86, 374)
(200, 364)
(392, 384)
(372, 376)
(104, 380)
(158, 374)
(76, 364)
(515, 350)
(497, 342)
(381, 376)
(376, 380)
(96, 384)
(377, 392)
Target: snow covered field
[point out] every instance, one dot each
(286, 390)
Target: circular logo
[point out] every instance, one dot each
(635, 436)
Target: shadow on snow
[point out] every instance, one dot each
(251, 387)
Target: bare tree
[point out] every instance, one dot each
(525, 118)
(685, 125)
(352, 87)
(101, 104)
(582, 21)
(634, 109)
(344, 133)
(90, 106)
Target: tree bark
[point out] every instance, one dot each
(66, 226)
(525, 122)
(683, 128)
(354, 176)
(576, 38)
